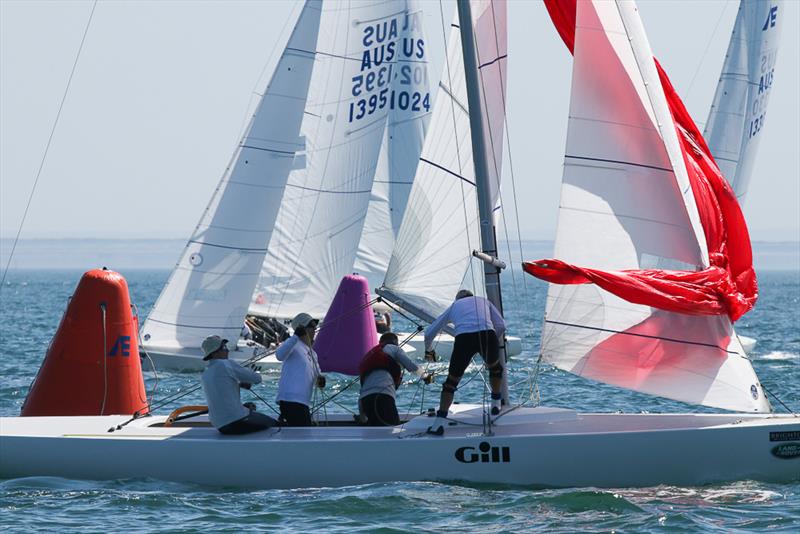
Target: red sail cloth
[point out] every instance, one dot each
(728, 285)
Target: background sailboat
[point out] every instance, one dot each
(213, 281)
(335, 208)
(738, 112)
(341, 105)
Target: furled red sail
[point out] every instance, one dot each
(727, 285)
(645, 217)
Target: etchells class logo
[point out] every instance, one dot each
(772, 19)
(122, 346)
(484, 453)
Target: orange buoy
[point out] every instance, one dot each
(92, 366)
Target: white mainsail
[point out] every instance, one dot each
(431, 257)
(357, 83)
(626, 204)
(211, 285)
(740, 102)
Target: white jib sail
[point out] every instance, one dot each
(626, 204)
(211, 285)
(431, 258)
(740, 103)
(356, 84)
(397, 163)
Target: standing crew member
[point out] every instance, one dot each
(381, 374)
(478, 328)
(221, 382)
(299, 373)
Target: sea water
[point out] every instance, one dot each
(32, 304)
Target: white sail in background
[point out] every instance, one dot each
(431, 257)
(626, 204)
(356, 84)
(397, 163)
(740, 102)
(211, 285)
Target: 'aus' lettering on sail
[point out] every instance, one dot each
(394, 71)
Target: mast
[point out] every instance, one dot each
(491, 272)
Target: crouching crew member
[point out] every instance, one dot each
(381, 374)
(478, 328)
(221, 382)
(299, 373)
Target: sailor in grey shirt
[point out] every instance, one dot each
(221, 382)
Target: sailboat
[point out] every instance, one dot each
(532, 446)
(317, 187)
(738, 112)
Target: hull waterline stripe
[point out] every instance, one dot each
(684, 342)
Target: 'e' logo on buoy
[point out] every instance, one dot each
(122, 345)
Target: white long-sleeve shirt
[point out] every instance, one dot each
(468, 314)
(381, 381)
(299, 372)
(221, 381)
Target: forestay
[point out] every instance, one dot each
(431, 257)
(211, 285)
(626, 204)
(358, 80)
(740, 103)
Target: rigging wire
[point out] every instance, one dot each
(705, 52)
(47, 145)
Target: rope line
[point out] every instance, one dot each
(47, 146)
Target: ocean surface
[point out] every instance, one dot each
(31, 307)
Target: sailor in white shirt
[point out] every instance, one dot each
(478, 327)
(221, 382)
(299, 373)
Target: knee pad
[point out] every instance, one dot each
(496, 370)
(450, 385)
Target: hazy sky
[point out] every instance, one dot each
(162, 90)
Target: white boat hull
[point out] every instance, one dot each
(537, 447)
(190, 359)
(444, 345)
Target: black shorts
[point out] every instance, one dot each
(380, 410)
(467, 345)
(294, 414)
(251, 423)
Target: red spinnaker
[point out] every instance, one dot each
(728, 285)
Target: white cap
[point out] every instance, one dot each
(301, 320)
(212, 344)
